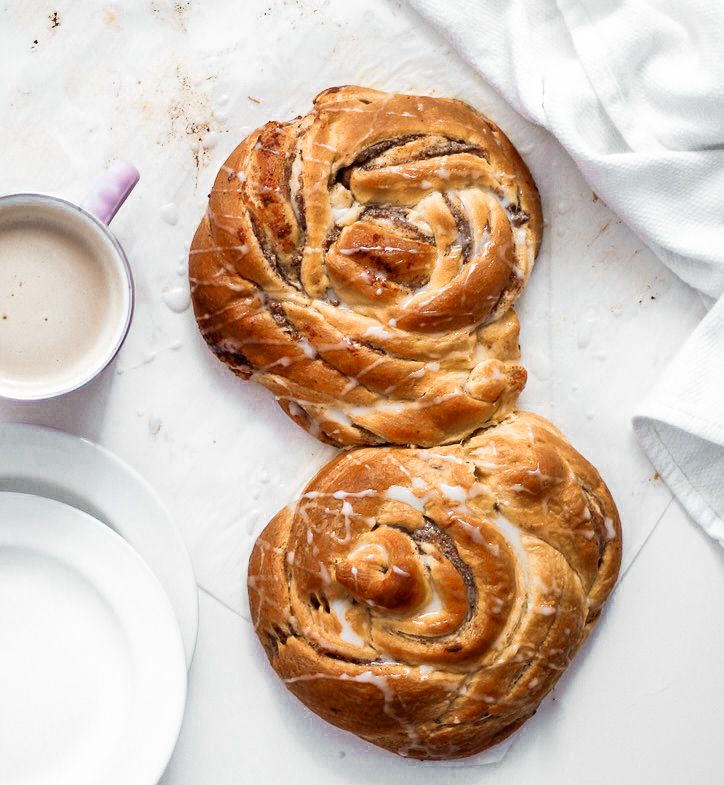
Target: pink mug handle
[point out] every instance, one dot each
(110, 190)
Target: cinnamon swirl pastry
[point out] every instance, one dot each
(361, 262)
(427, 600)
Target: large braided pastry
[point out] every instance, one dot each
(427, 600)
(361, 262)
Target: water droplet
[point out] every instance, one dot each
(264, 476)
(177, 298)
(211, 140)
(169, 213)
(154, 425)
(563, 207)
(585, 331)
(540, 366)
(560, 230)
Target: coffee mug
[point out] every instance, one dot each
(66, 289)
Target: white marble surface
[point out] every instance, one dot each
(173, 87)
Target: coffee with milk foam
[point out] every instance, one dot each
(63, 298)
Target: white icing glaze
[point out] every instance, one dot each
(345, 216)
(473, 531)
(340, 607)
(354, 494)
(375, 331)
(406, 496)
(455, 493)
(337, 415)
(513, 536)
(369, 551)
(434, 605)
(307, 348)
(428, 455)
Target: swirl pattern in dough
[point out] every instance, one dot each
(428, 599)
(361, 262)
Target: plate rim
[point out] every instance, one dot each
(188, 619)
(104, 537)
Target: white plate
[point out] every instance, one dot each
(93, 683)
(75, 471)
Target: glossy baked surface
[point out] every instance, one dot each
(361, 263)
(427, 600)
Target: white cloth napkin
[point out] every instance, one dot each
(681, 425)
(634, 90)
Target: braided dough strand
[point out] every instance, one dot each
(427, 600)
(361, 262)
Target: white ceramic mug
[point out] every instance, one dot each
(69, 321)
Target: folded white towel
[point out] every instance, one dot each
(681, 425)
(635, 92)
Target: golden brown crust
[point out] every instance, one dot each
(361, 262)
(427, 600)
